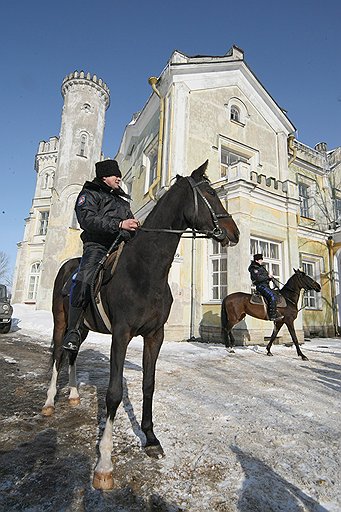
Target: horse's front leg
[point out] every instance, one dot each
(74, 399)
(295, 340)
(275, 331)
(152, 345)
(103, 475)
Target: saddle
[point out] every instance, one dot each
(257, 298)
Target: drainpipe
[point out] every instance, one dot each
(193, 269)
(330, 245)
(153, 81)
(291, 148)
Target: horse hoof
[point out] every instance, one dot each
(154, 451)
(47, 410)
(73, 402)
(304, 358)
(269, 354)
(103, 481)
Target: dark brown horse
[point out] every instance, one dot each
(237, 305)
(138, 299)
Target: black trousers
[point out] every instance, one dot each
(268, 293)
(81, 286)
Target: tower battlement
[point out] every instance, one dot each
(77, 78)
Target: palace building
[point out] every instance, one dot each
(284, 196)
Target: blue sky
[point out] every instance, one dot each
(292, 47)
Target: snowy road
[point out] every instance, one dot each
(241, 432)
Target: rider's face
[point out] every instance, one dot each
(112, 181)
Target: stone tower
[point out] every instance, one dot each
(86, 99)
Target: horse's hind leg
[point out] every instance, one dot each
(231, 342)
(58, 333)
(152, 345)
(275, 331)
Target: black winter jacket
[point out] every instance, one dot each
(259, 274)
(99, 211)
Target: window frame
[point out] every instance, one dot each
(149, 155)
(235, 114)
(304, 199)
(258, 245)
(33, 281)
(43, 222)
(219, 254)
(310, 299)
(231, 161)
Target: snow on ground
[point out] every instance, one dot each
(241, 432)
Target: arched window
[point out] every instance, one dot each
(83, 144)
(45, 180)
(33, 281)
(51, 179)
(235, 113)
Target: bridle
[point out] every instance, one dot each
(217, 232)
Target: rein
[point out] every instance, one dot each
(217, 233)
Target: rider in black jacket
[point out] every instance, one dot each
(261, 279)
(103, 214)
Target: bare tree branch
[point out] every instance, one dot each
(4, 268)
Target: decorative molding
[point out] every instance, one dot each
(76, 79)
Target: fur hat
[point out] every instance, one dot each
(258, 257)
(107, 168)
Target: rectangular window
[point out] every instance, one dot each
(229, 158)
(303, 190)
(271, 254)
(152, 163)
(43, 222)
(33, 281)
(310, 297)
(218, 271)
(33, 287)
(338, 208)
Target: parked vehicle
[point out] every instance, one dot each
(6, 310)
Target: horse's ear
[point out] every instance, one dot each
(295, 270)
(198, 174)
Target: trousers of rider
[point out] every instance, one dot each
(80, 295)
(269, 295)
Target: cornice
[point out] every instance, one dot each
(76, 79)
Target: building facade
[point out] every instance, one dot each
(282, 194)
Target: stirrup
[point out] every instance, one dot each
(72, 341)
(277, 316)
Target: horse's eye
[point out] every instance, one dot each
(211, 191)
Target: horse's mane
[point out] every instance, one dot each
(178, 181)
(290, 285)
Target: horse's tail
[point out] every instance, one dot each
(224, 322)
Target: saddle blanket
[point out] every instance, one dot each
(256, 298)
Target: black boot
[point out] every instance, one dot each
(275, 317)
(72, 338)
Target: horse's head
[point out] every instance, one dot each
(306, 282)
(207, 213)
